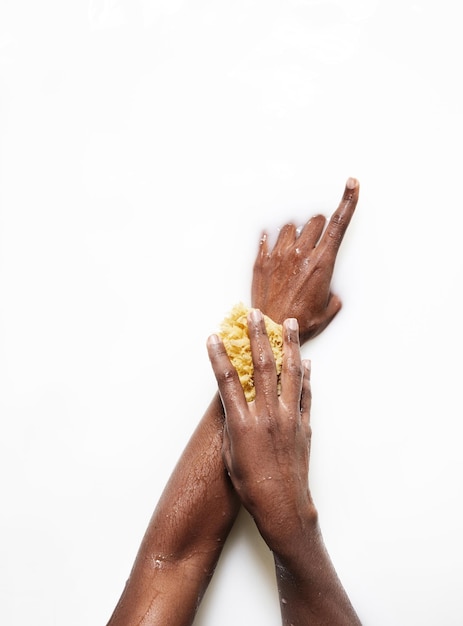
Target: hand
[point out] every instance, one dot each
(266, 449)
(267, 441)
(293, 279)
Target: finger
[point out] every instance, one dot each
(291, 371)
(286, 238)
(306, 395)
(341, 218)
(311, 233)
(263, 246)
(333, 307)
(265, 373)
(230, 388)
(259, 263)
(226, 449)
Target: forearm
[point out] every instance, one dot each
(308, 585)
(198, 505)
(185, 535)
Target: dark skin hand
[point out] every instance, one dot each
(197, 509)
(294, 278)
(266, 449)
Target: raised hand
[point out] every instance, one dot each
(294, 278)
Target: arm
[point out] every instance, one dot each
(185, 535)
(198, 506)
(266, 449)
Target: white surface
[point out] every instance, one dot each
(144, 145)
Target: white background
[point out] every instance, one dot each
(144, 146)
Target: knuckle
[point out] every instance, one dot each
(335, 236)
(338, 219)
(228, 375)
(293, 368)
(265, 364)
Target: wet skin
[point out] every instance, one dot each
(266, 449)
(197, 509)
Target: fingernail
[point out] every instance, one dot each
(351, 183)
(292, 323)
(256, 316)
(213, 340)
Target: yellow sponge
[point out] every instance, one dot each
(234, 334)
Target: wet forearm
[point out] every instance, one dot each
(185, 535)
(309, 588)
(198, 505)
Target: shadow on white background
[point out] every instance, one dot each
(144, 146)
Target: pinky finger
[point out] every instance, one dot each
(306, 395)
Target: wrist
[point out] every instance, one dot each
(286, 532)
(298, 555)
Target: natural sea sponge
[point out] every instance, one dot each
(235, 337)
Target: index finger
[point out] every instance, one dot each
(230, 388)
(340, 220)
